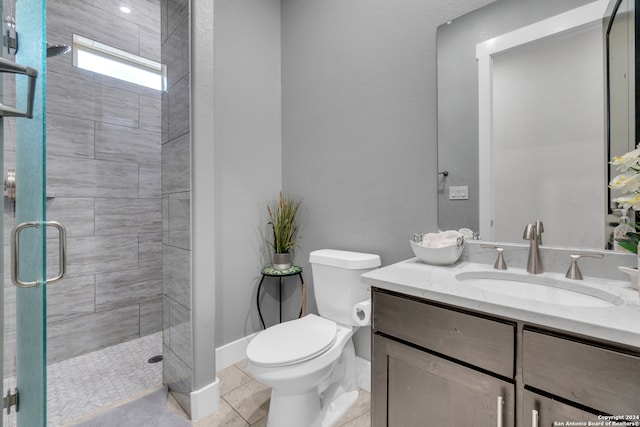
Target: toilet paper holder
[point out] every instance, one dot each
(362, 313)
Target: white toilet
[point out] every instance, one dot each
(309, 363)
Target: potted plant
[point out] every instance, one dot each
(628, 182)
(282, 218)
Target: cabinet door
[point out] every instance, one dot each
(540, 411)
(415, 388)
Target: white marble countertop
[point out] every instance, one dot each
(615, 323)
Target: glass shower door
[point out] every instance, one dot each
(28, 238)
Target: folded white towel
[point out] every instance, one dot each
(440, 240)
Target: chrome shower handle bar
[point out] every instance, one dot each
(62, 250)
(15, 252)
(7, 66)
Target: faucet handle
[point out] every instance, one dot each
(530, 232)
(539, 231)
(500, 262)
(534, 231)
(574, 271)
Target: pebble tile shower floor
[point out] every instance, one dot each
(84, 384)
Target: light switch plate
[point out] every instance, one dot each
(460, 192)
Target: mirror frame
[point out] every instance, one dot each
(632, 49)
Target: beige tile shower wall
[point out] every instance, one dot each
(176, 203)
(103, 183)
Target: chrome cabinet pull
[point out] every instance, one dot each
(7, 66)
(534, 418)
(499, 411)
(15, 252)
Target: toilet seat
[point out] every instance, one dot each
(292, 342)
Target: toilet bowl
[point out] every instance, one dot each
(309, 363)
(299, 389)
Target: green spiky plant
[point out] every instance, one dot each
(630, 242)
(282, 218)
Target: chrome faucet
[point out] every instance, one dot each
(533, 232)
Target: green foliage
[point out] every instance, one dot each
(630, 242)
(282, 218)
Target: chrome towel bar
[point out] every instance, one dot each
(7, 66)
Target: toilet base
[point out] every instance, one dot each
(336, 409)
(325, 403)
(285, 408)
(289, 408)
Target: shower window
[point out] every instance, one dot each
(101, 58)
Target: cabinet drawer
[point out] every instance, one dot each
(485, 343)
(599, 378)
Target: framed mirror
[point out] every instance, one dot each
(554, 128)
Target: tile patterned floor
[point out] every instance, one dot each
(245, 403)
(84, 386)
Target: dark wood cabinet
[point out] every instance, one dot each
(593, 376)
(542, 411)
(439, 365)
(434, 366)
(415, 388)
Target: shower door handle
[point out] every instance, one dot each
(15, 252)
(62, 250)
(7, 66)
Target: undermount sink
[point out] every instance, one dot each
(540, 288)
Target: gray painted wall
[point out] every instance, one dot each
(247, 139)
(359, 137)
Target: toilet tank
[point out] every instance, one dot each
(336, 282)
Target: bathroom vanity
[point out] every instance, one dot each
(465, 345)
(447, 352)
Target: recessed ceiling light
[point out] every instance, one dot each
(125, 9)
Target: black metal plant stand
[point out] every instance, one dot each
(272, 272)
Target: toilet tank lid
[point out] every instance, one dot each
(344, 259)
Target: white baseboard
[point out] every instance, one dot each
(205, 401)
(233, 352)
(236, 351)
(363, 374)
